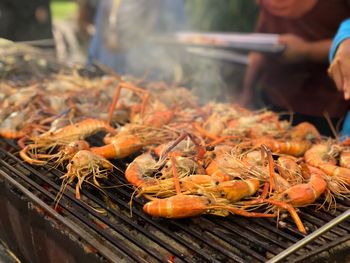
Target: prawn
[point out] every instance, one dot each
(289, 169)
(344, 158)
(73, 132)
(62, 137)
(322, 156)
(294, 147)
(156, 116)
(141, 170)
(305, 131)
(131, 139)
(279, 184)
(217, 161)
(65, 153)
(183, 206)
(232, 191)
(84, 166)
(216, 168)
(299, 195)
(305, 193)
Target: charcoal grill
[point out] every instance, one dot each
(88, 230)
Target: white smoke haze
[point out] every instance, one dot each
(131, 29)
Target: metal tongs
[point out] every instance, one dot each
(266, 43)
(225, 46)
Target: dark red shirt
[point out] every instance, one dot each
(304, 87)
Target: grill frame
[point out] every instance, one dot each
(210, 235)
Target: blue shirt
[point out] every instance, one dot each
(342, 34)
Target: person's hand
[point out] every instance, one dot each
(339, 69)
(252, 74)
(296, 48)
(245, 99)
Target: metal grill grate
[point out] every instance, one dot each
(141, 238)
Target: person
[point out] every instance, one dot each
(124, 33)
(25, 20)
(339, 69)
(297, 80)
(339, 58)
(85, 17)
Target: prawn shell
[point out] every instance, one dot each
(305, 131)
(307, 193)
(215, 170)
(178, 206)
(138, 171)
(344, 159)
(295, 147)
(236, 190)
(76, 131)
(120, 147)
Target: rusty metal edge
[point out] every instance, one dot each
(103, 250)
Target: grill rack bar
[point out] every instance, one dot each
(125, 220)
(200, 237)
(72, 226)
(288, 234)
(75, 201)
(144, 217)
(344, 226)
(321, 249)
(68, 208)
(311, 237)
(263, 223)
(72, 199)
(175, 224)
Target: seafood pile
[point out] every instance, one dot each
(187, 159)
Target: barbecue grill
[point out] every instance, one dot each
(89, 230)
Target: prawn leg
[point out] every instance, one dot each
(271, 168)
(200, 149)
(116, 96)
(244, 213)
(291, 211)
(175, 175)
(25, 155)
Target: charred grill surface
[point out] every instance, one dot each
(116, 220)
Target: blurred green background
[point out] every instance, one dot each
(203, 15)
(222, 15)
(63, 9)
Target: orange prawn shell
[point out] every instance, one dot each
(305, 131)
(178, 206)
(306, 193)
(289, 169)
(318, 157)
(195, 181)
(76, 131)
(75, 146)
(10, 134)
(159, 118)
(137, 171)
(84, 158)
(120, 147)
(344, 159)
(236, 190)
(294, 147)
(216, 170)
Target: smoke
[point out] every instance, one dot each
(135, 40)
